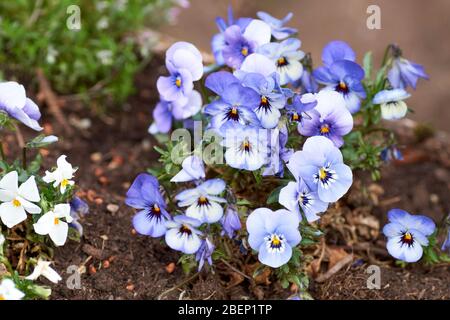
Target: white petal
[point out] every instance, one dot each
(29, 206)
(59, 233)
(63, 211)
(12, 215)
(29, 190)
(258, 31)
(10, 181)
(6, 195)
(45, 223)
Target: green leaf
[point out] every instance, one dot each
(274, 195)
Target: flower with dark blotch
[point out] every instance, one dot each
(203, 201)
(407, 234)
(182, 234)
(273, 234)
(297, 111)
(330, 118)
(145, 196)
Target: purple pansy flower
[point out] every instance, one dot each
(182, 234)
(405, 73)
(230, 222)
(279, 31)
(236, 102)
(165, 112)
(308, 83)
(330, 118)
(246, 147)
(78, 208)
(407, 234)
(320, 165)
(341, 74)
(203, 201)
(144, 195)
(273, 235)
(240, 43)
(286, 56)
(204, 253)
(301, 104)
(14, 102)
(297, 195)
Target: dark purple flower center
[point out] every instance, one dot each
(203, 201)
(407, 239)
(324, 129)
(342, 88)
(282, 62)
(184, 229)
(265, 104)
(246, 146)
(232, 114)
(295, 117)
(154, 212)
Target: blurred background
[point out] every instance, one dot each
(420, 28)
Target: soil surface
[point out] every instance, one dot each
(118, 264)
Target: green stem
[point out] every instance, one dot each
(2, 152)
(386, 55)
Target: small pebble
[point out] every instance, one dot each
(106, 264)
(170, 267)
(92, 269)
(113, 208)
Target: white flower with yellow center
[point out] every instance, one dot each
(52, 224)
(8, 291)
(43, 269)
(17, 201)
(62, 175)
(392, 104)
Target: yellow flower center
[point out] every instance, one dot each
(16, 203)
(342, 85)
(281, 61)
(244, 51)
(263, 100)
(407, 236)
(324, 129)
(322, 173)
(202, 199)
(276, 241)
(156, 208)
(178, 82)
(64, 183)
(234, 111)
(295, 116)
(56, 221)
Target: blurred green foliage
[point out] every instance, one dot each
(103, 54)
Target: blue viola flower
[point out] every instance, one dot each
(246, 147)
(301, 104)
(218, 42)
(407, 234)
(320, 165)
(271, 97)
(307, 82)
(330, 118)
(78, 208)
(204, 253)
(176, 87)
(240, 43)
(278, 152)
(203, 202)
(14, 102)
(145, 196)
(230, 222)
(405, 73)
(192, 169)
(236, 102)
(297, 195)
(279, 31)
(165, 112)
(182, 234)
(273, 235)
(335, 51)
(344, 77)
(391, 103)
(286, 56)
(391, 153)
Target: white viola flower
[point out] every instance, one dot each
(182, 234)
(8, 291)
(17, 201)
(203, 201)
(51, 224)
(192, 169)
(247, 147)
(391, 103)
(286, 56)
(43, 269)
(62, 175)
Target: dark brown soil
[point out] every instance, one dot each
(116, 147)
